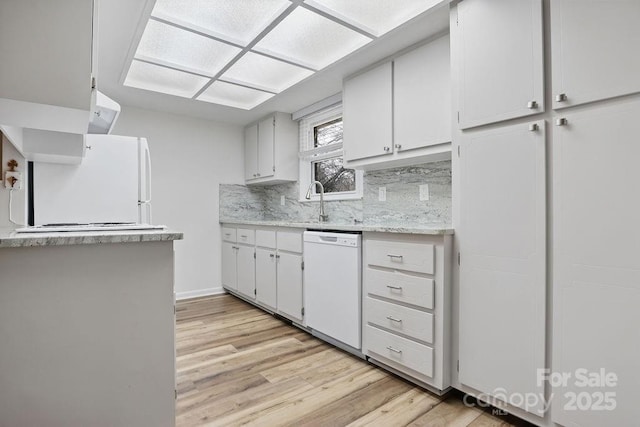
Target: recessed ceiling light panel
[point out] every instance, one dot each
(374, 16)
(165, 80)
(233, 95)
(239, 21)
(183, 49)
(306, 38)
(263, 72)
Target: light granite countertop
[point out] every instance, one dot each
(17, 240)
(435, 229)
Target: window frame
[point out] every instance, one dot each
(310, 156)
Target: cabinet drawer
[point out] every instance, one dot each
(400, 287)
(290, 241)
(408, 321)
(229, 234)
(266, 238)
(418, 257)
(246, 236)
(408, 353)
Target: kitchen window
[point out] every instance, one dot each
(321, 157)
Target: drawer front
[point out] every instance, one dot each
(266, 238)
(246, 236)
(400, 287)
(417, 257)
(408, 353)
(229, 234)
(290, 241)
(408, 321)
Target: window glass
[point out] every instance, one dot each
(333, 176)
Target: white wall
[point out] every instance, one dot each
(19, 196)
(189, 158)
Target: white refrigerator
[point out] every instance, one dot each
(112, 185)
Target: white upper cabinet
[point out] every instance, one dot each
(271, 150)
(251, 152)
(399, 113)
(595, 48)
(499, 50)
(502, 237)
(266, 135)
(47, 50)
(367, 114)
(422, 97)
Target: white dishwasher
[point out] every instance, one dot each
(333, 285)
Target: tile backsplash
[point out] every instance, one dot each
(402, 206)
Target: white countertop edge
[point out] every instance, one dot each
(16, 240)
(435, 229)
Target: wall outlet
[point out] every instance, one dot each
(282, 200)
(424, 192)
(382, 194)
(13, 179)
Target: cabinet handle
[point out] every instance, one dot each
(277, 256)
(271, 255)
(533, 127)
(395, 256)
(398, 146)
(393, 319)
(561, 122)
(561, 97)
(395, 288)
(395, 350)
(257, 174)
(387, 149)
(254, 175)
(532, 105)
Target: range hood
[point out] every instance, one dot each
(104, 115)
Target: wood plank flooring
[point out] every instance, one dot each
(237, 365)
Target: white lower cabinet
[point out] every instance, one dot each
(229, 266)
(596, 276)
(406, 281)
(266, 282)
(238, 262)
(266, 269)
(502, 237)
(290, 285)
(246, 270)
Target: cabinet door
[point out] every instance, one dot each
(251, 152)
(503, 261)
(500, 61)
(594, 50)
(422, 96)
(266, 277)
(266, 141)
(229, 268)
(290, 285)
(596, 208)
(246, 270)
(49, 46)
(367, 114)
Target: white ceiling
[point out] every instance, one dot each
(120, 27)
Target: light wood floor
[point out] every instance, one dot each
(237, 365)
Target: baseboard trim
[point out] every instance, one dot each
(199, 293)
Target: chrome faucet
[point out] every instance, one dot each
(322, 217)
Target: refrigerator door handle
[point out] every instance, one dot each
(147, 170)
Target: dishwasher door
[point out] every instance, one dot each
(333, 285)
